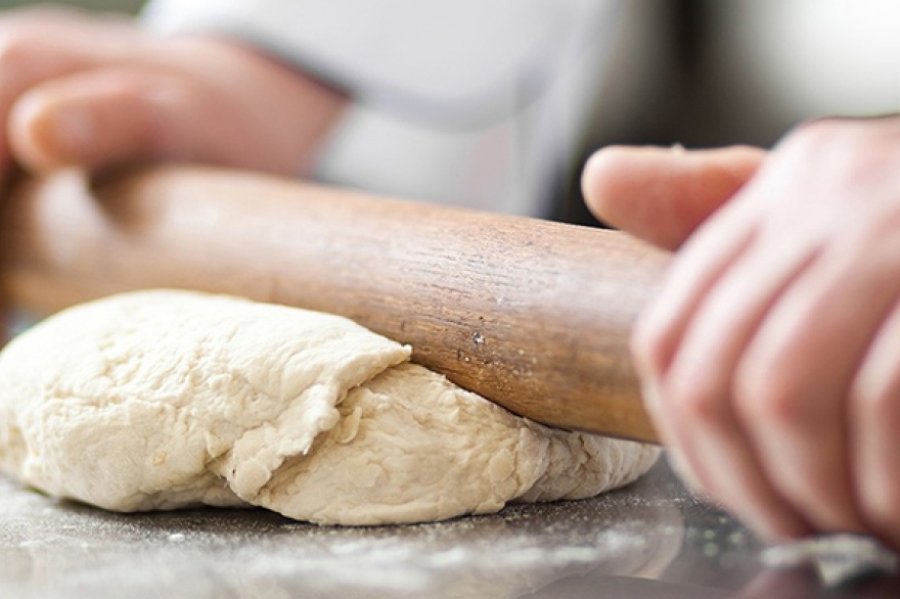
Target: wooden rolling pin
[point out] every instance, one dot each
(533, 315)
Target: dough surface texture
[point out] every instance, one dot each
(167, 399)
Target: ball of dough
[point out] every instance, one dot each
(167, 399)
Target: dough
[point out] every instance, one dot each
(167, 399)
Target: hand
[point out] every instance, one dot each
(97, 91)
(771, 357)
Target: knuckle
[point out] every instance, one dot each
(814, 133)
(773, 402)
(839, 144)
(853, 149)
(697, 404)
(768, 392)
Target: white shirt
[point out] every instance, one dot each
(472, 102)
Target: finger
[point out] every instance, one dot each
(699, 382)
(115, 115)
(875, 431)
(31, 52)
(706, 258)
(717, 243)
(663, 194)
(792, 386)
(89, 118)
(696, 268)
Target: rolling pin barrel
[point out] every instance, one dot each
(533, 315)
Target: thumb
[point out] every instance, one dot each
(662, 194)
(110, 116)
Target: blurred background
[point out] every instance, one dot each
(130, 6)
(715, 72)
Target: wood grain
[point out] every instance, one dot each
(533, 315)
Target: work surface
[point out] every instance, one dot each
(649, 540)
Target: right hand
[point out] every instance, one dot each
(770, 358)
(96, 91)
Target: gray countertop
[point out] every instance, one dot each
(651, 539)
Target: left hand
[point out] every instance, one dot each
(771, 358)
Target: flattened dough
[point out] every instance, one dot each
(167, 399)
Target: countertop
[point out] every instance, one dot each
(652, 539)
